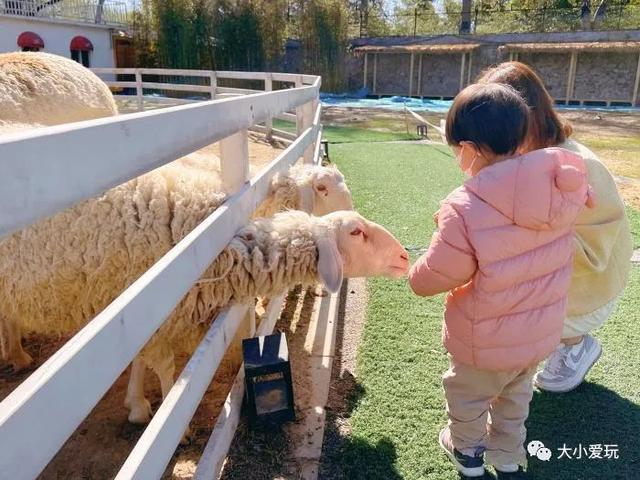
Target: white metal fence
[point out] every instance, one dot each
(43, 171)
(87, 11)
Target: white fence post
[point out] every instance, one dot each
(139, 96)
(304, 119)
(234, 161)
(308, 112)
(234, 165)
(213, 83)
(299, 111)
(268, 86)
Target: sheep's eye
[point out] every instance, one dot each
(322, 188)
(357, 232)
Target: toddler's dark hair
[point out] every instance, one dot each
(491, 115)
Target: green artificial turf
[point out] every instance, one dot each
(398, 407)
(339, 134)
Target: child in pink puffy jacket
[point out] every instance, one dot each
(503, 251)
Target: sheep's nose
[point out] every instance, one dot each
(404, 256)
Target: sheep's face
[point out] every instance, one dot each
(367, 249)
(330, 192)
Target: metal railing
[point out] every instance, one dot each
(55, 172)
(619, 15)
(87, 11)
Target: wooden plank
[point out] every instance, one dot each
(217, 447)
(176, 87)
(111, 83)
(62, 392)
(411, 62)
(177, 72)
(238, 91)
(308, 113)
(299, 109)
(234, 161)
(320, 342)
(160, 100)
(268, 86)
(280, 77)
(109, 70)
(366, 65)
(213, 84)
(420, 74)
(288, 117)
(462, 61)
(241, 75)
(139, 92)
(55, 169)
(293, 77)
(634, 98)
(375, 73)
(316, 152)
(281, 134)
(571, 76)
(469, 67)
(154, 449)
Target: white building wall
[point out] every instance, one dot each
(57, 35)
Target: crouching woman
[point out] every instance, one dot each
(603, 244)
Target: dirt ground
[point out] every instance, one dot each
(265, 454)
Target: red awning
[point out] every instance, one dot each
(81, 43)
(30, 40)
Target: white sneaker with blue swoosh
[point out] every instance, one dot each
(567, 366)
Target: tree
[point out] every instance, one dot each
(324, 38)
(368, 17)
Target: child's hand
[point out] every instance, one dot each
(435, 217)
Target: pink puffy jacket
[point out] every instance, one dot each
(504, 252)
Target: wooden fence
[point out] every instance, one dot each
(45, 170)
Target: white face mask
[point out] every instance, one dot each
(468, 172)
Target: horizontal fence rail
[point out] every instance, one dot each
(54, 172)
(121, 148)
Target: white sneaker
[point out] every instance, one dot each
(566, 368)
(509, 468)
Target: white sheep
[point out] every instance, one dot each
(266, 258)
(109, 241)
(41, 88)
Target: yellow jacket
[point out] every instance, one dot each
(603, 241)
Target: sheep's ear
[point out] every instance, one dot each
(329, 264)
(307, 203)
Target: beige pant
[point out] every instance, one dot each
(583, 324)
(488, 409)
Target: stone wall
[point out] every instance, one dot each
(607, 76)
(553, 68)
(393, 74)
(440, 75)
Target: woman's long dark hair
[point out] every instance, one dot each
(546, 129)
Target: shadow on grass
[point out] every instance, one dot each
(343, 456)
(590, 415)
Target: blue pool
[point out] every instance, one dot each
(437, 106)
